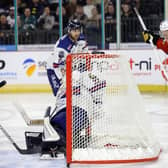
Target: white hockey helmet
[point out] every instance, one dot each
(164, 25)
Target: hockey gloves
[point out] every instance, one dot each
(150, 36)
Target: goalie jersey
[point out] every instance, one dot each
(56, 63)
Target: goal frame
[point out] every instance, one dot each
(69, 116)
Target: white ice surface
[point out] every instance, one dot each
(36, 104)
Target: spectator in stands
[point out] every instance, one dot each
(110, 16)
(21, 6)
(106, 3)
(96, 1)
(4, 6)
(28, 21)
(64, 17)
(92, 29)
(138, 4)
(127, 25)
(28, 24)
(44, 3)
(88, 8)
(46, 21)
(36, 8)
(140, 7)
(3, 23)
(126, 9)
(53, 5)
(81, 2)
(4, 28)
(94, 21)
(11, 17)
(71, 8)
(126, 1)
(19, 23)
(110, 23)
(53, 1)
(80, 15)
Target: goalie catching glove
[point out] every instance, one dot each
(150, 36)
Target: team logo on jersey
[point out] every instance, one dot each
(30, 66)
(69, 47)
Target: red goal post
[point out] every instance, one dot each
(104, 122)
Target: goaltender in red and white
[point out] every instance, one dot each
(161, 41)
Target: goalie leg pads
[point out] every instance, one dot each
(81, 128)
(80, 119)
(59, 120)
(53, 138)
(81, 123)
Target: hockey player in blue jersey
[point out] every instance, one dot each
(72, 42)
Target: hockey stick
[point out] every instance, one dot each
(21, 151)
(163, 71)
(2, 83)
(29, 121)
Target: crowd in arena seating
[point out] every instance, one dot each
(38, 20)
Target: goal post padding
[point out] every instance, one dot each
(106, 118)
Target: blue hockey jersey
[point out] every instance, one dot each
(56, 63)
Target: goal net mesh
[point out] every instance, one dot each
(106, 118)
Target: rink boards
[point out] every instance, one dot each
(26, 71)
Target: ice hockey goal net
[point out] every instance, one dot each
(106, 118)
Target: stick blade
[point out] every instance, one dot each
(3, 83)
(29, 121)
(22, 111)
(27, 151)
